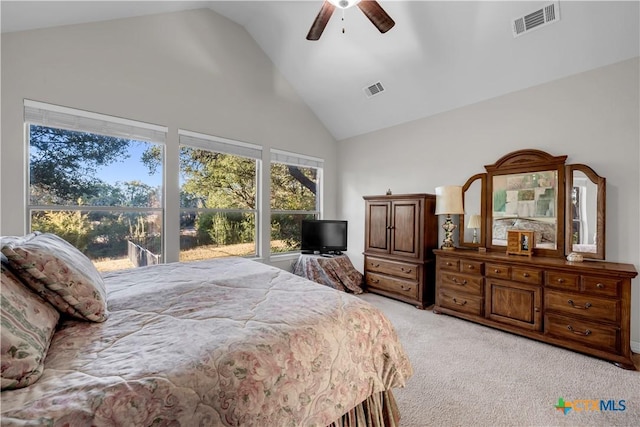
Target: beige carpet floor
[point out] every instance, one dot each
(470, 375)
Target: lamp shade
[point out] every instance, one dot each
(449, 200)
(474, 221)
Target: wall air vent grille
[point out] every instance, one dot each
(374, 89)
(537, 19)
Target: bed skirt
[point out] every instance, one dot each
(378, 410)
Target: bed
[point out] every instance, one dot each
(544, 231)
(229, 342)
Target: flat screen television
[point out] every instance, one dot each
(324, 236)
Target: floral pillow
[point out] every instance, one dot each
(59, 273)
(28, 324)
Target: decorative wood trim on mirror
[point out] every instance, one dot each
(482, 211)
(586, 210)
(527, 202)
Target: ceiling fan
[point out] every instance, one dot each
(371, 9)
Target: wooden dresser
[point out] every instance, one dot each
(401, 232)
(583, 306)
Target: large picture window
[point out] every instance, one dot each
(96, 181)
(295, 195)
(218, 197)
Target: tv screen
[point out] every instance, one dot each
(324, 236)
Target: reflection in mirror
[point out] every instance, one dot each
(472, 222)
(526, 201)
(586, 193)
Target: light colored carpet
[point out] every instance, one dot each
(471, 375)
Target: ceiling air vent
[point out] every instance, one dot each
(546, 15)
(374, 89)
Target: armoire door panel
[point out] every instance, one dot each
(406, 228)
(378, 230)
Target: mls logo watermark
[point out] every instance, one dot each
(591, 405)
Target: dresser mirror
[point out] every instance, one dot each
(472, 227)
(585, 228)
(525, 191)
(530, 190)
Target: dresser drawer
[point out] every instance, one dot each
(465, 303)
(587, 333)
(533, 276)
(390, 284)
(462, 282)
(471, 267)
(499, 271)
(601, 285)
(393, 268)
(562, 280)
(449, 264)
(590, 307)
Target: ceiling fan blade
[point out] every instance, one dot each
(377, 15)
(321, 21)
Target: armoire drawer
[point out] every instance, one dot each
(392, 268)
(391, 284)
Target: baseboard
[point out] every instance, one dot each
(635, 346)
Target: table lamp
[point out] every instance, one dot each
(474, 223)
(449, 202)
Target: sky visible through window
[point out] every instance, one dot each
(131, 168)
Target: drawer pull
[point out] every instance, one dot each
(600, 286)
(560, 280)
(497, 270)
(572, 304)
(405, 288)
(375, 265)
(525, 274)
(470, 267)
(459, 303)
(405, 271)
(455, 280)
(376, 281)
(586, 332)
(449, 264)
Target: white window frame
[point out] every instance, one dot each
(222, 145)
(72, 119)
(302, 160)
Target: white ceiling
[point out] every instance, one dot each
(441, 55)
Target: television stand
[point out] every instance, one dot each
(335, 271)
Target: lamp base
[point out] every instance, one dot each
(448, 227)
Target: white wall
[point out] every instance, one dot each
(194, 70)
(592, 117)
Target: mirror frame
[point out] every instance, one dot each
(601, 204)
(483, 212)
(527, 161)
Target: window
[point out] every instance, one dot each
(295, 195)
(96, 181)
(218, 197)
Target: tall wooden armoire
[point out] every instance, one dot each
(401, 232)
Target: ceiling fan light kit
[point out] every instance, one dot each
(344, 4)
(372, 10)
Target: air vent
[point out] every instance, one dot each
(537, 19)
(374, 89)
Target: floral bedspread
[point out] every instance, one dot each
(226, 342)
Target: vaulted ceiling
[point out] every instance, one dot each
(440, 55)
